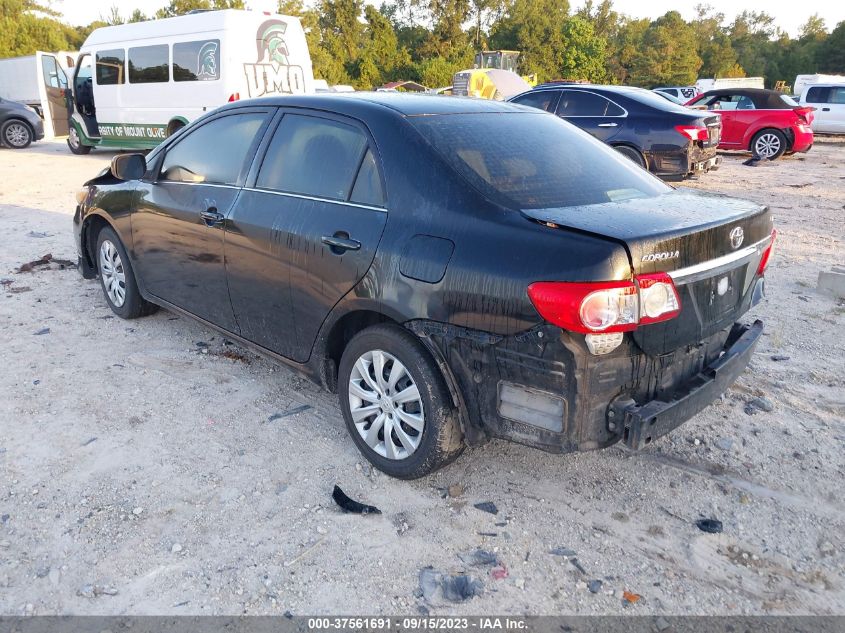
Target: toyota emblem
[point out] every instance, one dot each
(737, 235)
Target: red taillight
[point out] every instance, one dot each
(608, 306)
(805, 114)
(235, 96)
(767, 254)
(693, 132)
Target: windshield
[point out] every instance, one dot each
(792, 103)
(535, 160)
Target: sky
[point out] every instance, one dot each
(789, 14)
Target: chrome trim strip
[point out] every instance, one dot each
(708, 267)
(315, 199)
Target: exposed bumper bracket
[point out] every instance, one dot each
(641, 424)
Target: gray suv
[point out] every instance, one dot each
(19, 124)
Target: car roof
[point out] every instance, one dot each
(763, 98)
(404, 104)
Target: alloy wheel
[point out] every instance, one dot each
(73, 137)
(17, 135)
(767, 145)
(112, 273)
(386, 405)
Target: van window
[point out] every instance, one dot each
(818, 94)
(198, 158)
(196, 61)
(312, 156)
(149, 64)
(110, 69)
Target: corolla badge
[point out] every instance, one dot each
(737, 235)
(659, 257)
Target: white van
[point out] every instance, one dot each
(829, 102)
(718, 83)
(151, 78)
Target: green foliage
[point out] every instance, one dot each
(831, 52)
(667, 54)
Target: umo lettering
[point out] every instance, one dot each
(265, 79)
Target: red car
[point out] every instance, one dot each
(765, 122)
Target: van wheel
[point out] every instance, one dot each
(396, 405)
(174, 127)
(118, 279)
(631, 154)
(75, 143)
(769, 144)
(16, 134)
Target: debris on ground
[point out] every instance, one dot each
(630, 597)
(45, 262)
(759, 404)
(453, 587)
(233, 355)
(90, 440)
(578, 565)
(455, 490)
(594, 586)
(562, 551)
(487, 506)
(478, 558)
(42, 331)
(832, 281)
(499, 572)
(711, 526)
(779, 357)
(289, 412)
(19, 289)
(724, 443)
(93, 591)
(349, 505)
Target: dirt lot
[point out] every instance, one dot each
(140, 470)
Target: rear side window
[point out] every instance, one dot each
(837, 95)
(312, 156)
(196, 61)
(213, 153)
(578, 103)
(149, 64)
(817, 94)
(110, 67)
(367, 189)
(541, 99)
(529, 161)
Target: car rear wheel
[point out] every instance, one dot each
(396, 405)
(16, 134)
(769, 144)
(118, 279)
(631, 154)
(75, 143)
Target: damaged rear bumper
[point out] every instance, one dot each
(642, 424)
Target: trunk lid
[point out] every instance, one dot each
(710, 244)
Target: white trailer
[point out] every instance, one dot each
(39, 81)
(805, 81)
(704, 85)
(136, 84)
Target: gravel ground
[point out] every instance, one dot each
(141, 472)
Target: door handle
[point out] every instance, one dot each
(340, 242)
(825, 109)
(211, 217)
(608, 124)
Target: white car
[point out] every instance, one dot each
(829, 102)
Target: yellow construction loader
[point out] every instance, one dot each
(493, 77)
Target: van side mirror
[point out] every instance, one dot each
(128, 166)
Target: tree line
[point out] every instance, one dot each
(429, 40)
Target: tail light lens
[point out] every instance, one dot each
(693, 132)
(767, 254)
(235, 96)
(804, 114)
(611, 306)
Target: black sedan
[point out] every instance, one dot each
(455, 269)
(666, 138)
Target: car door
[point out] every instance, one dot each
(305, 229)
(55, 85)
(837, 109)
(591, 112)
(737, 112)
(181, 211)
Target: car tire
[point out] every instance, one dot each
(75, 143)
(410, 399)
(631, 154)
(117, 278)
(769, 143)
(16, 134)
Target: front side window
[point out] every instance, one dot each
(196, 61)
(579, 103)
(817, 94)
(54, 76)
(540, 99)
(213, 153)
(110, 67)
(313, 156)
(149, 64)
(524, 160)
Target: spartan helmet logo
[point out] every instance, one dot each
(207, 61)
(271, 43)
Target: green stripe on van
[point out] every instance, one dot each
(144, 134)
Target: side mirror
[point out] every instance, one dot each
(128, 166)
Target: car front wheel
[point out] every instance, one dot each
(396, 405)
(16, 134)
(118, 279)
(768, 144)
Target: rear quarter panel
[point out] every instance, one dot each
(761, 119)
